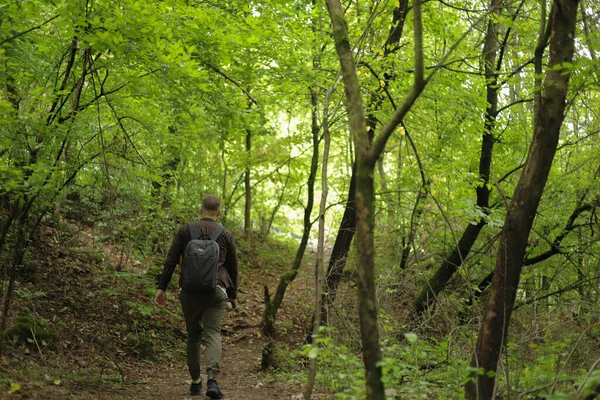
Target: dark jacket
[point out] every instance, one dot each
(228, 262)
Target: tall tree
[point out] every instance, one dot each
(347, 227)
(247, 186)
(67, 79)
(273, 303)
(367, 154)
(524, 203)
(320, 267)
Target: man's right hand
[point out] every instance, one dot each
(160, 299)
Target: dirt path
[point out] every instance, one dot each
(241, 377)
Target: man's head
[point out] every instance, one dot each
(211, 206)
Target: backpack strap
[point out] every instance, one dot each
(193, 230)
(217, 232)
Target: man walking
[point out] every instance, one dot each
(203, 312)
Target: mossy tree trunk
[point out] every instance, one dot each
(347, 228)
(367, 154)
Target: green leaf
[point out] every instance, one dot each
(411, 337)
(14, 388)
(314, 352)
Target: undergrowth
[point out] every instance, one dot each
(84, 311)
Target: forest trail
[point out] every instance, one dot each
(241, 377)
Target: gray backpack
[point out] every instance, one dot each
(200, 266)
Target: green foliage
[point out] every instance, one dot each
(29, 329)
(271, 253)
(27, 295)
(547, 364)
(9, 386)
(142, 309)
(110, 292)
(152, 111)
(339, 369)
(415, 370)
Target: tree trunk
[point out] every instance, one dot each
(272, 305)
(20, 246)
(341, 247)
(525, 201)
(247, 187)
(320, 269)
(366, 159)
(345, 233)
(368, 310)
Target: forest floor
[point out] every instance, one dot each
(92, 366)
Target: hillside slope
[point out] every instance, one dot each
(105, 340)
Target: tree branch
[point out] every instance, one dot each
(29, 30)
(512, 104)
(418, 34)
(507, 35)
(555, 245)
(236, 83)
(412, 96)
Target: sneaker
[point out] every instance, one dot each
(196, 389)
(213, 390)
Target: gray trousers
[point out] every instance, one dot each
(203, 313)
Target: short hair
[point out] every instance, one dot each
(211, 203)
